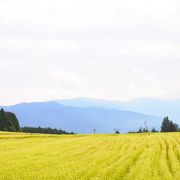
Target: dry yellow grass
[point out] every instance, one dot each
(131, 156)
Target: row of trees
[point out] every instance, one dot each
(9, 122)
(166, 126)
(44, 130)
(169, 126)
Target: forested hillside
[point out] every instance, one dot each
(8, 121)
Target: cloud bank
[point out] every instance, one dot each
(105, 49)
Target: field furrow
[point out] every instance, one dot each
(129, 157)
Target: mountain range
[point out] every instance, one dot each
(82, 115)
(154, 107)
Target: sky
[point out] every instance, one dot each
(107, 49)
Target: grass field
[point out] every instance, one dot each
(131, 156)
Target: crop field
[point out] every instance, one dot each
(132, 156)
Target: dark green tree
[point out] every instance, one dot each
(168, 125)
(140, 130)
(3, 121)
(13, 123)
(145, 130)
(8, 121)
(177, 127)
(117, 132)
(154, 130)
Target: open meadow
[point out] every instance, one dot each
(131, 156)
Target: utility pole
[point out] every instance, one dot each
(94, 131)
(145, 125)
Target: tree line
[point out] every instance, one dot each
(47, 130)
(9, 122)
(166, 126)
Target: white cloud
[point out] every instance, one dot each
(66, 80)
(52, 85)
(58, 49)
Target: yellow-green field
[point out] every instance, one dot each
(132, 156)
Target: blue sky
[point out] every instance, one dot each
(118, 49)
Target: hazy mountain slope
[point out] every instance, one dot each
(153, 107)
(80, 120)
(156, 107)
(90, 102)
(48, 114)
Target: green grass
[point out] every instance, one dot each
(132, 156)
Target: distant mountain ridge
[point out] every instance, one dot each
(154, 107)
(90, 102)
(80, 119)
